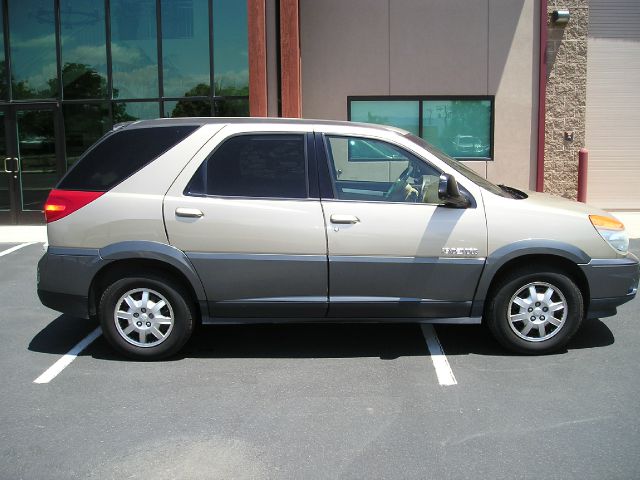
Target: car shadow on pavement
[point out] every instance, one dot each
(387, 341)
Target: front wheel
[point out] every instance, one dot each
(535, 312)
(146, 318)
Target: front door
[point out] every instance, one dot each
(32, 161)
(394, 251)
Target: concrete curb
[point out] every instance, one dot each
(23, 233)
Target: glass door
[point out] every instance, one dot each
(33, 161)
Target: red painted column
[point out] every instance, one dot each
(583, 161)
(290, 59)
(257, 58)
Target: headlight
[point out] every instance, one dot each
(612, 231)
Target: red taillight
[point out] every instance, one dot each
(61, 203)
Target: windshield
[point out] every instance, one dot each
(459, 167)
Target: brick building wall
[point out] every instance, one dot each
(566, 58)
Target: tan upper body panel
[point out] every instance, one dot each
(132, 210)
(544, 217)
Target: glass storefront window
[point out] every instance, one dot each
(397, 113)
(187, 108)
(231, 107)
(134, 49)
(461, 127)
(83, 125)
(130, 111)
(185, 46)
(33, 49)
(84, 51)
(3, 67)
(230, 48)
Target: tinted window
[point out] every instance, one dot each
(254, 166)
(121, 154)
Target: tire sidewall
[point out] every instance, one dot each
(498, 311)
(182, 312)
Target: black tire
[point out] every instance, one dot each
(179, 302)
(499, 309)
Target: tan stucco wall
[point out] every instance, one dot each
(566, 97)
(418, 47)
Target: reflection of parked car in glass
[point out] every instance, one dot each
(469, 144)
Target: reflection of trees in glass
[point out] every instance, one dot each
(188, 108)
(224, 107)
(82, 81)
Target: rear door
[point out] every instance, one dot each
(394, 251)
(244, 214)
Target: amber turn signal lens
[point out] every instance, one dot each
(607, 223)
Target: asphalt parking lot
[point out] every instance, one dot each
(312, 401)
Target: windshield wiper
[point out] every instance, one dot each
(514, 192)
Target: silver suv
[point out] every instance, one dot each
(166, 223)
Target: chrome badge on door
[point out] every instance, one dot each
(459, 252)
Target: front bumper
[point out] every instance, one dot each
(612, 282)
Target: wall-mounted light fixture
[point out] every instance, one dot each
(560, 17)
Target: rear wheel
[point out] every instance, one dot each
(146, 318)
(535, 312)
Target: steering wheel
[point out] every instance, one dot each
(399, 184)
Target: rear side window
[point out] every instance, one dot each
(256, 165)
(121, 154)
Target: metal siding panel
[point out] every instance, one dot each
(613, 104)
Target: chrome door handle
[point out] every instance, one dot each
(344, 219)
(188, 212)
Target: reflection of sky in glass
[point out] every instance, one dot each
(33, 48)
(401, 114)
(185, 45)
(83, 41)
(230, 47)
(134, 48)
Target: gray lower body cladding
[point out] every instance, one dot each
(611, 283)
(64, 278)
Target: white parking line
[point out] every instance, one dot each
(439, 359)
(17, 247)
(53, 371)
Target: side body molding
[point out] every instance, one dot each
(499, 257)
(168, 254)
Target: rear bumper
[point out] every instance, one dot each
(64, 278)
(612, 282)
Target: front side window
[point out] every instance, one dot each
(367, 169)
(260, 165)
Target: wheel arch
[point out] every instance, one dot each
(556, 254)
(125, 258)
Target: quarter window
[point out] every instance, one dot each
(366, 169)
(264, 165)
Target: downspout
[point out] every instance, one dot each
(542, 95)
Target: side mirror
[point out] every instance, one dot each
(449, 192)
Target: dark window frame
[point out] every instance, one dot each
(310, 191)
(425, 98)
